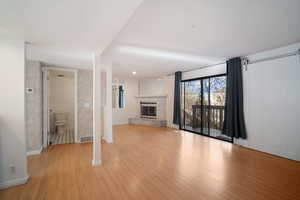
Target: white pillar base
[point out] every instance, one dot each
(96, 163)
(108, 140)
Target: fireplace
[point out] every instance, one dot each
(152, 111)
(148, 110)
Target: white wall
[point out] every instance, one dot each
(147, 87)
(169, 91)
(12, 113)
(151, 87)
(131, 87)
(218, 69)
(271, 101)
(34, 106)
(272, 110)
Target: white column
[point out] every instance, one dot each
(108, 134)
(97, 110)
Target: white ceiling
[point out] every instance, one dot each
(211, 29)
(154, 62)
(161, 36)
(65, 32)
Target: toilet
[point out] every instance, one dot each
(61, 120)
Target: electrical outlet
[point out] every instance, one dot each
(12, 169)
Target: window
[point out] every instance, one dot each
(118, 96)
(121, 97)
(203, 106)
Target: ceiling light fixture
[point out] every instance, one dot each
(134, 73)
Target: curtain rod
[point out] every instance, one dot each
(248, 62)
(274, 57)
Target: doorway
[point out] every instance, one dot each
(60, 106)
(203, 106)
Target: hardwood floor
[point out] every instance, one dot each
(158, 163)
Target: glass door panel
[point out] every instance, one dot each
(182, 89)
(192, 94)
(217, 106)
(205, 107)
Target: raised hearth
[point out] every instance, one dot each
(151, 111)
(147, 122)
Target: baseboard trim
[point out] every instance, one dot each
(14, 182)
(120, 123)
(34, 152)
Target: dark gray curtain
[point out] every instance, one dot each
(234, 122)
(121, 97)
(176, 114)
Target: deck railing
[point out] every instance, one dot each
(208, 116)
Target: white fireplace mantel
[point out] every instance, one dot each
(160, 100)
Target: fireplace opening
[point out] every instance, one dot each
(148, 110)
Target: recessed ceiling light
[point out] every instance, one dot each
(134, 73)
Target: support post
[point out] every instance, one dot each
(108, 133)
(96, 110)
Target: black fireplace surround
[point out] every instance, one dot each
(148, 110)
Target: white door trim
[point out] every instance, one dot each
(45, 108)
(45, 70)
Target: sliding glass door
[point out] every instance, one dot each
(203, 105)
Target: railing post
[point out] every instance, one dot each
(221, 117)
(194, 116)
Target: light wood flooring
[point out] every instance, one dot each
(158, 163)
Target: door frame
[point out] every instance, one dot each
(46, 125)
(200, 79)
